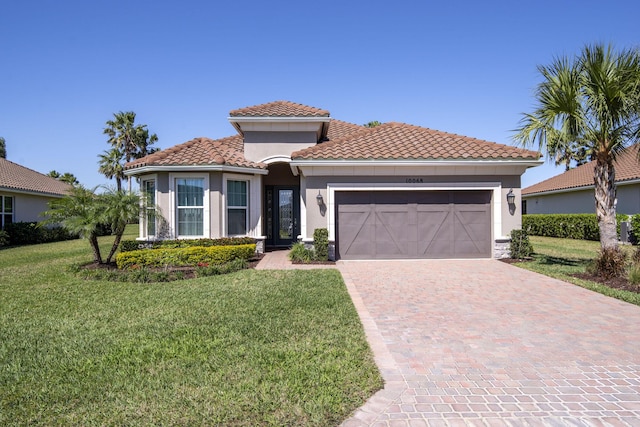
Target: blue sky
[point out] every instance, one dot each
(465, 67)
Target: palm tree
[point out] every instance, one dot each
(592, 101)
(79, 213)
(131, 140)
(111, 166)
(69, 178)
(119, 209)
(3, 148)
(372, 124)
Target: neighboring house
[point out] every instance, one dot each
(391, 191)
(573, 190)
(24, 193)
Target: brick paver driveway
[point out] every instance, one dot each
(483, 343)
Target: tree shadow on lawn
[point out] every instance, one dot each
(569, 262)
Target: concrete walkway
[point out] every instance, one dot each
(483, 343)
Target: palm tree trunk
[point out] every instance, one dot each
(93, 241)
(116, 243)
(605, 195)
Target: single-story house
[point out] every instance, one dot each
(573, 190)
(25, 193)
(391, 191)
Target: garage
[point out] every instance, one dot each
(413, 224)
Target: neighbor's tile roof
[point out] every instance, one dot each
(19, 178)
(399, 141)
(200, 152)
(627, 166)
(279, 109)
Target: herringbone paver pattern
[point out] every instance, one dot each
(483, 343)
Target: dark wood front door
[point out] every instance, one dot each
(282, 215)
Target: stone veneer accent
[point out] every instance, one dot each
(501, 248)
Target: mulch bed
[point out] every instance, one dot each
(614, 283)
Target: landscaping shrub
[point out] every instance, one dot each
(321, 244)
(190, 256)
(634, 275)
(133, 245)
(520, 246)
(30, 233)
(4, 238)
(610, 263)
(635, 229)
(300, 253)
(569, 226)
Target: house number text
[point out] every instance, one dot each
(414, 180)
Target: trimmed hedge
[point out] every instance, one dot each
(189, 256)
(30, 233)
(569, 226)
(134, 245)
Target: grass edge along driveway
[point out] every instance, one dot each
(249, 348)
(560, 258)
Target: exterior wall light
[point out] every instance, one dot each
(319, 199)
(511, 198)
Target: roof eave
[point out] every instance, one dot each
(142, 170)
(578, 188)
(32, 192)
(416, 162)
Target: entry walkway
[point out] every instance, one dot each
(483, 343)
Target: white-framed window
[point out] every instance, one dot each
(149, 217)
(189, 201)
(6, 211)
(237, 198)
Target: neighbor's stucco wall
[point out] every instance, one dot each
(582, 201)
(28, 207)
(259, 146)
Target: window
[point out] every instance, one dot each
(237, 217)
(6, 210)
(190, 206)
(149, 207)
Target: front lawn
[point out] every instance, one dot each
(562, 258)
(248, 348)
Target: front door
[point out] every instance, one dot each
(283, 215)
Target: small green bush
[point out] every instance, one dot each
(190, 256)
(300, 253)
(520, 246)
(634, 275)
(635, 229)
(4, 238)
(610, 263)
(321, 244)
(134, 245)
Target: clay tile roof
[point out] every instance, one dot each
(16, 177)
(279, 109)
(340, 129)
(200, 152)
(627, 167)
(399, 141)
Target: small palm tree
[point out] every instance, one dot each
(79, 213)
(110, 165)
(593, 104)
(119, 209)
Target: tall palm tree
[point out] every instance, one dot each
(110, 165)
(593, 103)
(131, 140)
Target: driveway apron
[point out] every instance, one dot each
(484, 343)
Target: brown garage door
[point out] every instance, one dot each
(419, 224)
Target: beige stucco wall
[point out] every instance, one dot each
(28, 207)
(259, 146)
(582, 201)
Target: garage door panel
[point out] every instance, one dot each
(431, 224)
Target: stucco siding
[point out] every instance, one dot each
(259, 146)
(27, 208)
(582, 201)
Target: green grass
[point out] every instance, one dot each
(248, 348)
(560, 258)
